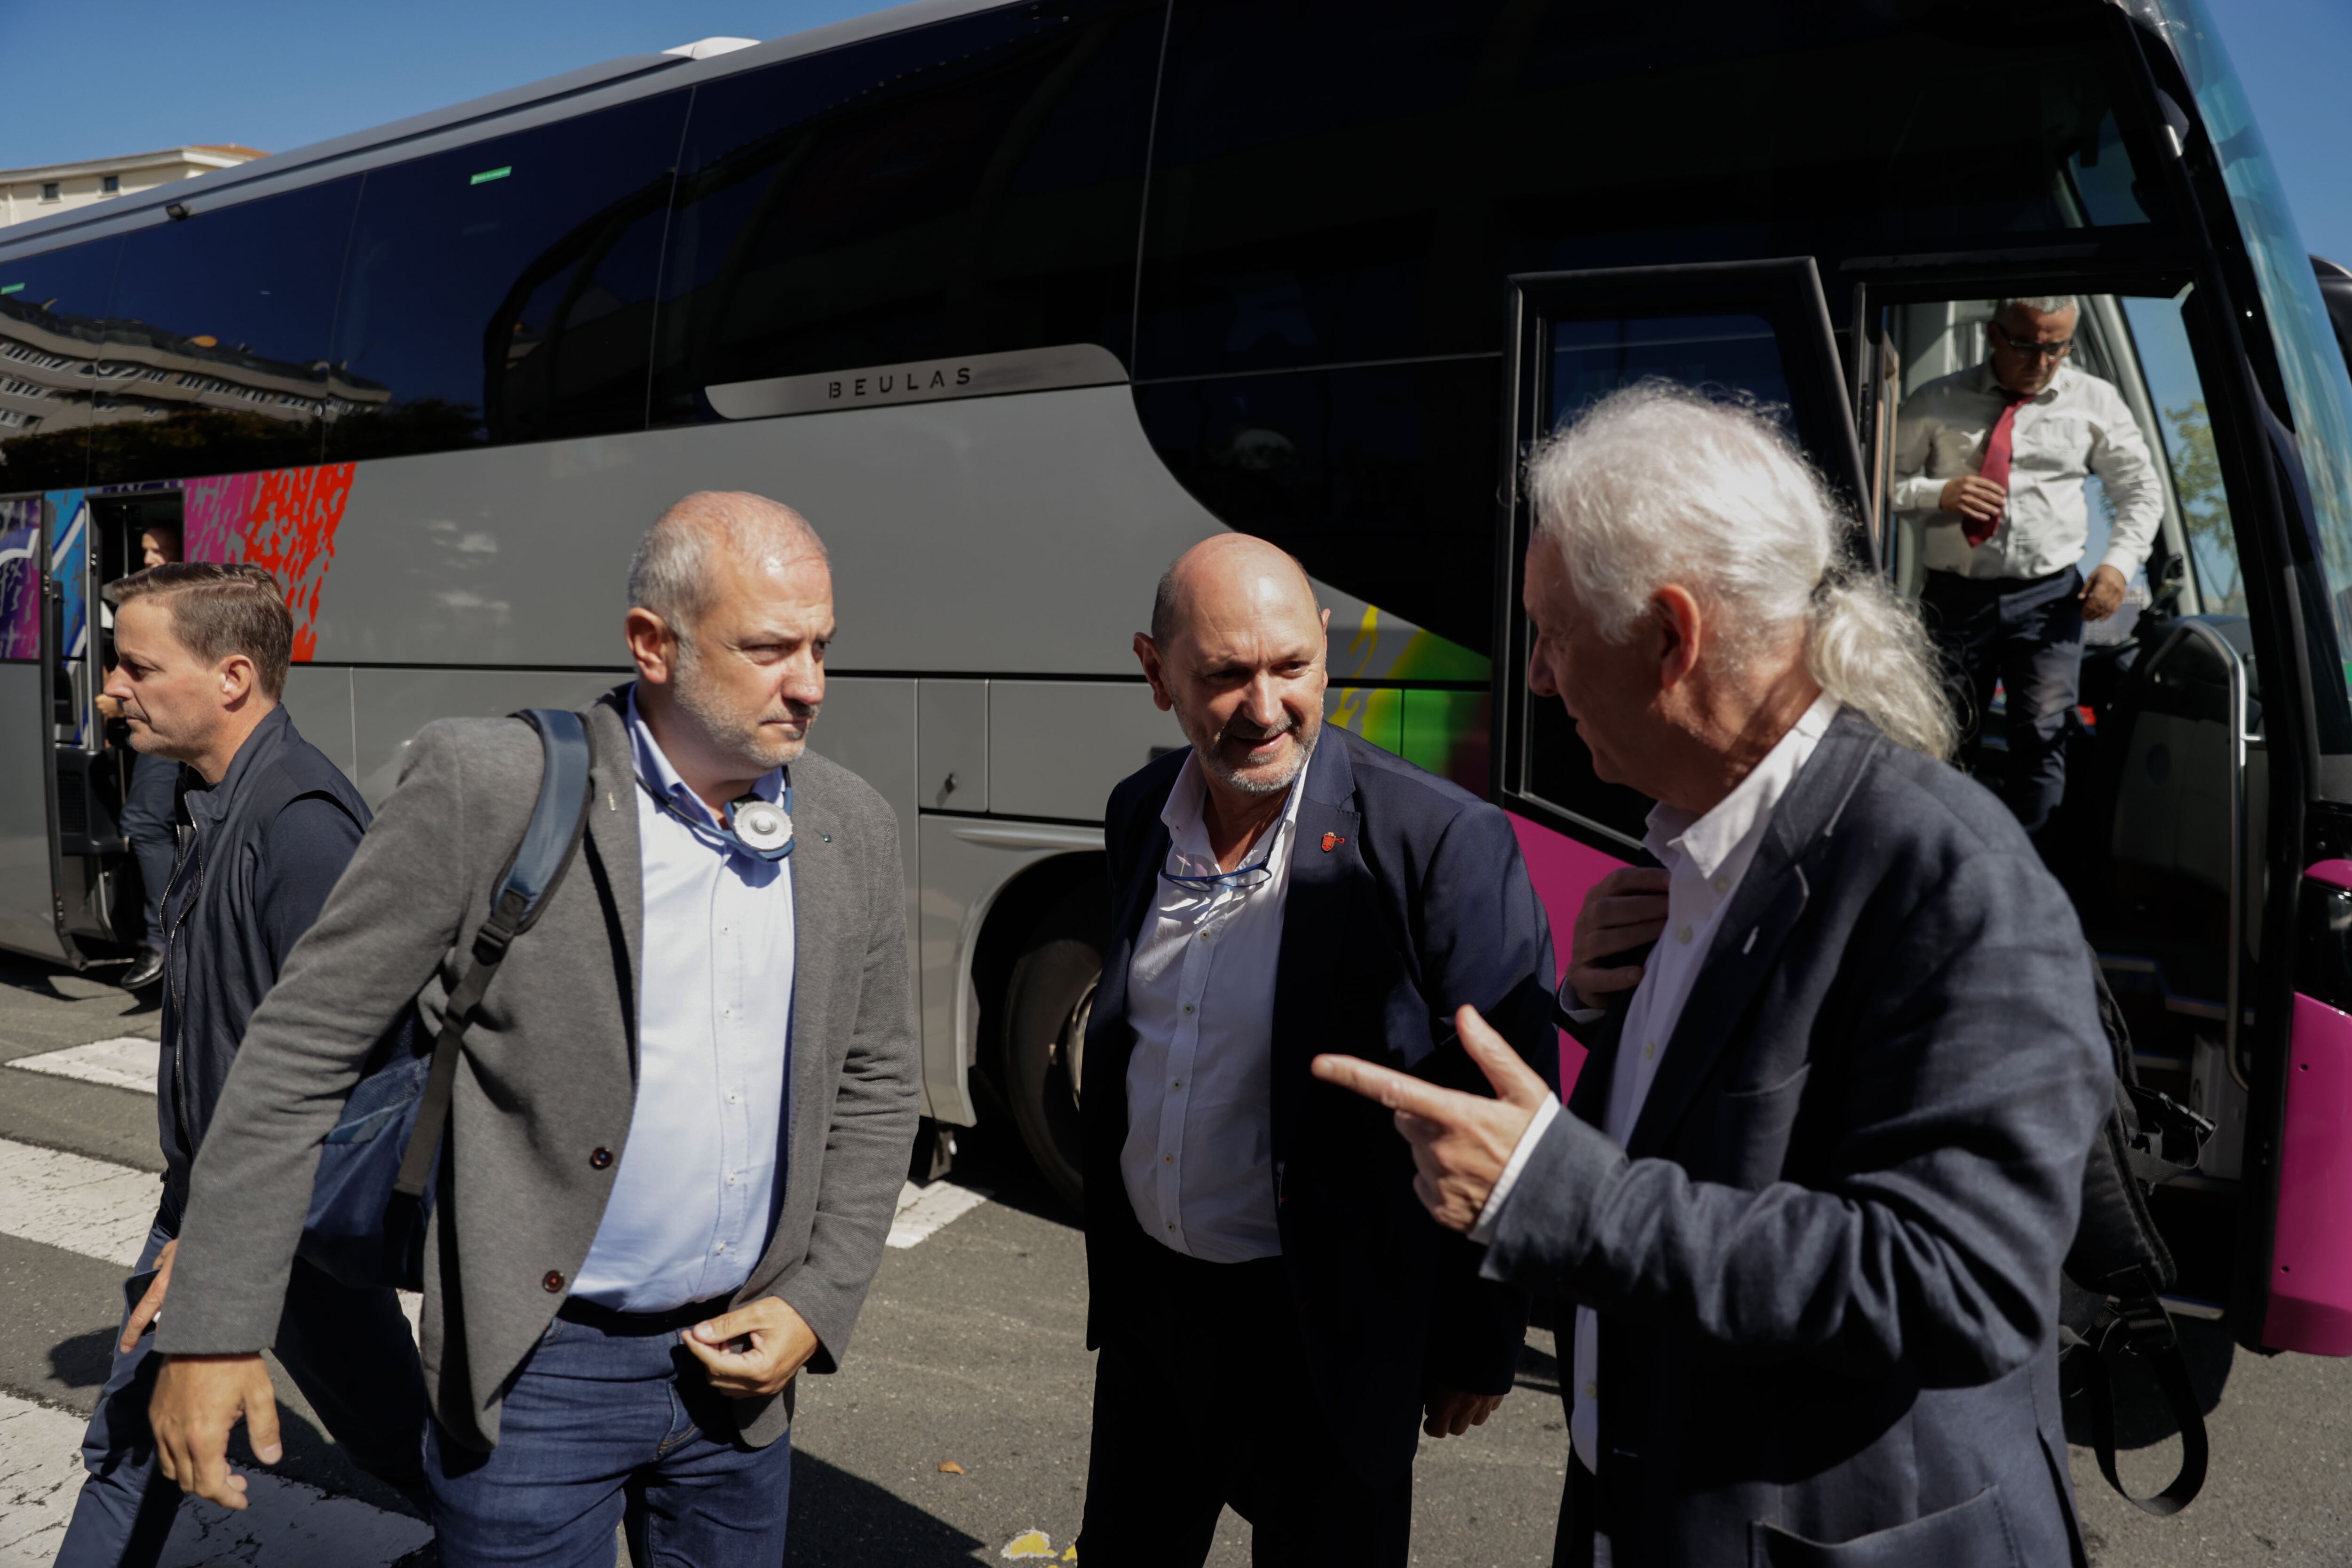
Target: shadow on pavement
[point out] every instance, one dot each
(843, 1522)
(992, 1156)
(85, 1360)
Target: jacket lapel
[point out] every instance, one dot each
(1771, 901)
(825, 909)
(1323, 883)
(612, 836)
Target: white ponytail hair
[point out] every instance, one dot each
(1658, 483)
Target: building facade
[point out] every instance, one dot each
(38, 192)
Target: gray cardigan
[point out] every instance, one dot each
(549, 1071)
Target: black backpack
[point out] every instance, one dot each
(376, 1181)
(2110, 1302)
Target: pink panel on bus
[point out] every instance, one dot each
(2335, 873)
(1563, 870)
(2311, 1251)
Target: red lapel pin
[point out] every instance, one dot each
(1332, 841)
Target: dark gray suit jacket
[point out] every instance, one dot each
(548, 1075)
(1826, 1265)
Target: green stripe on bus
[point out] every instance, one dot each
(488, 174)
(10, 288)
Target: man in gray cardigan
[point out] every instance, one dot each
(1812, 1190)
(683, 1112)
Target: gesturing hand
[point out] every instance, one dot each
(152, 1301)
(754, 1349)
(1460, 1142)
(1450, 1412)
(1624, 910)
(197, 1399)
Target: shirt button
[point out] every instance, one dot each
(1722, 884)
(1177, 1084)
(1167, 1159)
(553, 1283)
(1171, 1225)
(730, 1012)
(1649, 1049)
(1682, 933)
(601, 1158)
(1188, 1007)
(1591, 1390)
(731, 1181)
(732, 1097)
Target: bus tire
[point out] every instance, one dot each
(1048, 999)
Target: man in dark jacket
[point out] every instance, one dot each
(1281, 887)
(1812, 1189)
(268, 824)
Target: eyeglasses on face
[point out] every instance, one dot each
(2032, 350)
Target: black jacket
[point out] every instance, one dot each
(259, 852)
(1407, 898)
(1826, 1262)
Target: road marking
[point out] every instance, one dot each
(922, 1210)
(1031, 1544)
(95, 1207)
(284, 1522)
(127, 1062)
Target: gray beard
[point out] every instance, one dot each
(1240, 785)
(742, 741)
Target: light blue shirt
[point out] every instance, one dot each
(701, 1175)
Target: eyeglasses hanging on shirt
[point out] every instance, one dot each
(1242, 878)
(759, 828)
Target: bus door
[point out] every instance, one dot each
(1759, 328)
(2179, 836)
(84, 778)
(30, 919)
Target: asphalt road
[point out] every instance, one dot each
(969, 1354)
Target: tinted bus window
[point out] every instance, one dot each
(1347, 182)
(216, 341)
(503, 292)
(51, 343)
(1381, 479)
(970, 188)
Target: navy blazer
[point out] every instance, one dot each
(1407, 898)
(1826, 1262)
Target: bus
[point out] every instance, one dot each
(1018, 301)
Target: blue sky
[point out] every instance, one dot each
(120, 76)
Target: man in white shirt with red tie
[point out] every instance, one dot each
(1992, 462)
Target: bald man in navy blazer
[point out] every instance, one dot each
(1275, 1313)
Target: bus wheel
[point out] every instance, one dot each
(1048, 1001)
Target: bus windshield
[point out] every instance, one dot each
(2319, 390)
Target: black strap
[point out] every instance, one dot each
(546, 850)
(2143, 1329)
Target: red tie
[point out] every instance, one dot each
(1996, 466)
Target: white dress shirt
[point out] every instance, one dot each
(1198, 1162)
(2075, 427)
(1705, 857)
(701, 1173)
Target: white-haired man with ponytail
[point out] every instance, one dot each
(1812, 1190)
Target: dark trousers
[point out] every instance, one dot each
(2026, 636)
(612, 1421)
(1203, 1399)
(148, 804)
(348, 1350)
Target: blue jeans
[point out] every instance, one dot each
(2025, 635)
(349, 1351)
(609, 1423)
(148, 804)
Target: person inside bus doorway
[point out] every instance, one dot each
(150, 802)
(1992, 462)
(1812, 1190)
(1275, 1314)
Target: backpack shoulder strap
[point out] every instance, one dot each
(549, 844)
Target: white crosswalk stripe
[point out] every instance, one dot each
(922, 1210)
(127, 1062)
(91, 1206)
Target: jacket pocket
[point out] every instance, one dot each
(1974, 1534)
